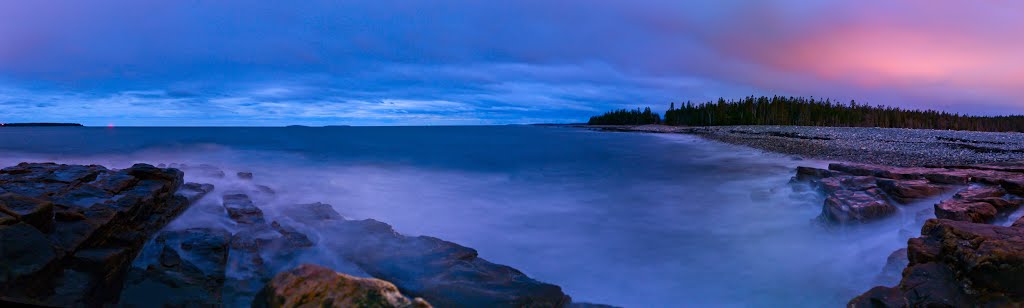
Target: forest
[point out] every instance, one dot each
(780, 110)
(626, 117)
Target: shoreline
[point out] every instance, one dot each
(878, 146)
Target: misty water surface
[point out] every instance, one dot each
(636, 220)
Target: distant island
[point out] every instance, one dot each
(800, 111)
(38, 124)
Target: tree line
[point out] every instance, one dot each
(781, 110)
(626, 117)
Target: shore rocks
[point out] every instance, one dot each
(188, 269)
(315, 286)
(69, 232)
(846, 206)
(980, 204)
(957, 264)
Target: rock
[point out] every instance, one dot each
(981, 204)
(245, 175)
(195, 191)
(189, 271)
(315, 286)
(846, 206)
(909, 190)
(79, 227)
(25, 251)
(38, 213)
(1019, 223)
(241, 210)
(958, 264)
(965, 210)
(1013, 185)
(263, 189)
(312, 212)
(810, 174)
(444, 273)
(894, 265)
(947, 178)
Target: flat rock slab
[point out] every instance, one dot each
(311, 285)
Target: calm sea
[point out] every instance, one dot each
(636, 220)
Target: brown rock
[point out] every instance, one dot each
(965, 210)
(315, 286)
(1019, 223)
(846, 206)
(909, 190)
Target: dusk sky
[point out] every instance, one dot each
(386, 62)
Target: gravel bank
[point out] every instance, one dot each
(883, 146)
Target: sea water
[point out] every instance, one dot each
(627, 219)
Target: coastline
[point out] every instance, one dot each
(970, 250)
(878, 146)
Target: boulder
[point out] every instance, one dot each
(244, 175)
(847, 206)
(315, 286)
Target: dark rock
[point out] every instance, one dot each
(1013, 185)
(245, 175)
(36, 212)
(241, 210)
(894, 265)
(846, 206)
(189, 271)
(195, 191)
(810, 174)
(265, 190)
(311, 285)
(444, 273)
(87, 223)
(25, 252)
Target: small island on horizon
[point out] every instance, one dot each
(38, 124)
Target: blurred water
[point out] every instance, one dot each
(637, 220)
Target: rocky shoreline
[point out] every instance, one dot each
(880, 146)
(963, 258)
(73, 235)
(969, 253)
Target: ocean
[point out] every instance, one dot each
(626, 219)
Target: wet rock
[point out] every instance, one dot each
(909, 190)
(312, 212)
(444, 273)
(189, 270)
(195, 191)
(981, 204)
(79, 228)
(315, 286)
(810, 174)
(264, 189)
(963, 210)
(959, 264)
(846, 206)
(36, 212)
(244, 175)
(1019, 223)
(894, 265)
(241, 210)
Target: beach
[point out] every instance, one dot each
(882, 146)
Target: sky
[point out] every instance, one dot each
(453, 62)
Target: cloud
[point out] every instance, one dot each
(265, 62)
